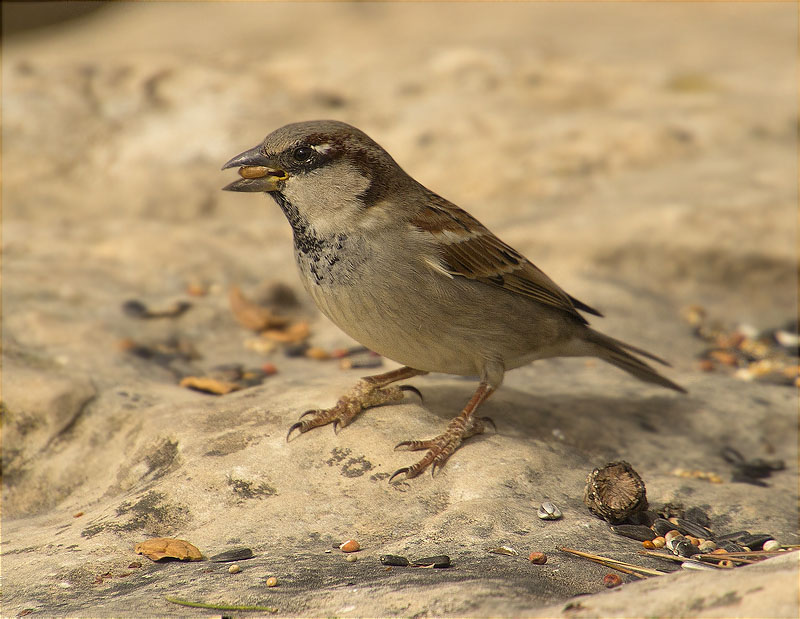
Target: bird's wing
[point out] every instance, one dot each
(469, 249)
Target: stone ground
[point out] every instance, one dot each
(643, 155)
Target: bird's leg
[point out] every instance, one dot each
(443, 446)
(368, 392)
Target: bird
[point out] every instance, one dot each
(416, 279)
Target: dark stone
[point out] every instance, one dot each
(394, 560)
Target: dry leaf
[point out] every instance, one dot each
(253, 316)
(159, 548)
(209, 385)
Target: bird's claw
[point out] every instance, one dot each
(412, 389)
(401, 471)
(292, 428)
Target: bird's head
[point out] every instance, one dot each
(331, 172)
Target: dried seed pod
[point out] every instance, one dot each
(687, 527)
(549, 511)
(771, 544)
(351, 558)
(539, 558)
(698, 516)
(659, 542)
(272, 581)
(755, 541)
(719, 551)
(662, 526)
(611, 580)
(234, 569)
(615, 492)
(394, 560)
(648, 544)
(727, 563)
(733, 537)
(438, 561)
(350, 545)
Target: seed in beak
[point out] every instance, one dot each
(254, 171)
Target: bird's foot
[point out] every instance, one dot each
(365, 394)
(443, 446)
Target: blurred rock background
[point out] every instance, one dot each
(643, 155)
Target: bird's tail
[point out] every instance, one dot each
(616, 353)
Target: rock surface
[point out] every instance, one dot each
(642, 155)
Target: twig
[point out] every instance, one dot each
(621, 566)
(269, 609)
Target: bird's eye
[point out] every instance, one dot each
(302, 154)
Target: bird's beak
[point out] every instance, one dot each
(257, 171)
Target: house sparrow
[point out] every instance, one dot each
(414, 278)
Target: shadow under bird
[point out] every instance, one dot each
(414, 278)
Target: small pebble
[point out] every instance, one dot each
(350, 545)
(771, 544)
(648, 544)
(539, 558)
(394, 560)
(659, 542)
(234, 569)
(272, 581)
(612, 580)
(549, 511)
(351, 558)
(269, 369)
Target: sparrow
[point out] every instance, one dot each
(414, 278)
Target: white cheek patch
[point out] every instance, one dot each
(322, 148)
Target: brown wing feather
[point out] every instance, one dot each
(470, 250)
